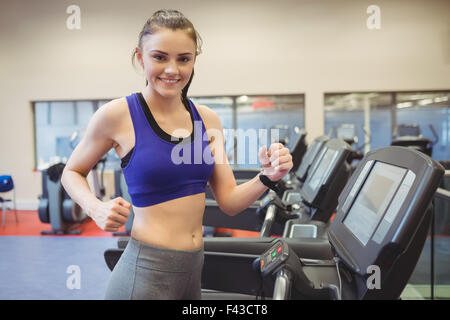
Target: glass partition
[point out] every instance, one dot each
(431, 113)
(59, 126)
(378, 117)
(250, 122)
(369, 113)
(223, 106)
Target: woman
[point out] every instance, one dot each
(170, 148)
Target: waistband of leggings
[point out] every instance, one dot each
(152, 248)
(164, 259)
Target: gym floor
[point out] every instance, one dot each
(41, 267)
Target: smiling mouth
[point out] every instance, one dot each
(169, 81)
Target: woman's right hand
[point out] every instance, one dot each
(111, 215)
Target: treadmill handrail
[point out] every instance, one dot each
(268, 221)
(283, 284)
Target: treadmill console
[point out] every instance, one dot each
(310, 156)
(274, 259)
(280, 257)
(379, 209)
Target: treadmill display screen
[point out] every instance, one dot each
(373, 200)
(322, 170)
(312, 151)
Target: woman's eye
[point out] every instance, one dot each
(162, 58)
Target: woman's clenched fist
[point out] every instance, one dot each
(112, 214)
(275, 162)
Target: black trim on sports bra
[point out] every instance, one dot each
(126, 159)
(156, 128)
(160, 132)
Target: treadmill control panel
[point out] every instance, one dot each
(264, 202)
(274, 258)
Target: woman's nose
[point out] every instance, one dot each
(171, 68)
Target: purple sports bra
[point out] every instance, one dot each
(161, 167)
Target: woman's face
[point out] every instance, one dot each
(168, 58)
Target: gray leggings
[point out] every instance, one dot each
(146, 271)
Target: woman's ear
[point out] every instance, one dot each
(139, 56)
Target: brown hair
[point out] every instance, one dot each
(171, 19)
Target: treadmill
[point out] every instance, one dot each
(298, 174)
(383, 217)
(299, 149)
(251, 218)
(246, 220)
(317, 198)
(409, 135)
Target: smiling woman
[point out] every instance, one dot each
(164, 258)
(165, 20)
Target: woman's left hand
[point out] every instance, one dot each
(276, 162)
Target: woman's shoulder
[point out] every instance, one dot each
(110, 118)
(209, 116)
(115, 106)
(115, 110)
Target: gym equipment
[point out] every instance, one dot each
(318, 196)
(245, 173)
(251, 218)
(240, 174)
(98, 186)
(6, 185)
(215, 217)
(333, 171)
(281, 259)
(55, 205)
(347, 132)
(298, 149)
(376, 238)
(409, 135)
(310, 156)
(296, 178)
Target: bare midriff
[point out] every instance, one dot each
(174, 224)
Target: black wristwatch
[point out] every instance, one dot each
(269, 183)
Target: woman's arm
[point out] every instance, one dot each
(230, 197)
(95, 143)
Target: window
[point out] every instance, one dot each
(431, 112)
(370, 115)
(223, 106)
(56, 123)
(377, 115)
(250, 122)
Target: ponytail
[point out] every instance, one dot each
(184, 92)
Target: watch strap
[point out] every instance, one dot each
(269, 183)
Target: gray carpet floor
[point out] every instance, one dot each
(40, 267)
